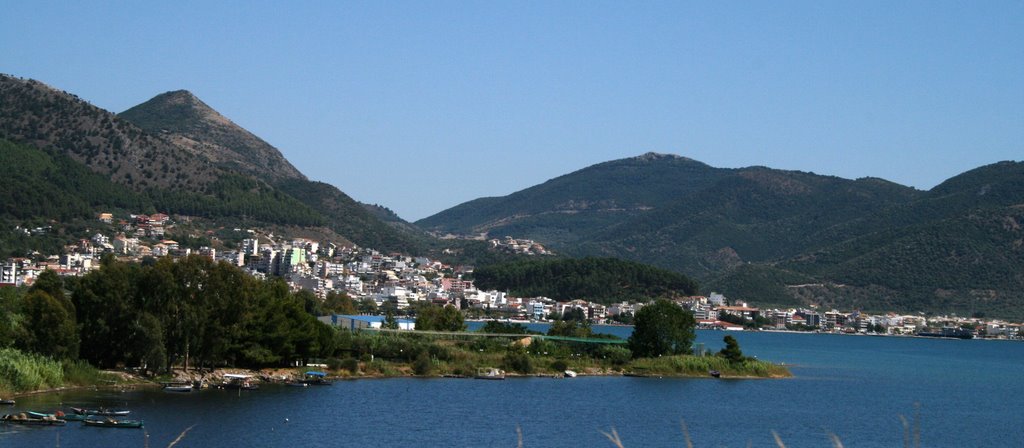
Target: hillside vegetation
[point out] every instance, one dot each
(176, 155)
(602, 280)
(774, 237)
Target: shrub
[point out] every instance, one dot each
(423, 364)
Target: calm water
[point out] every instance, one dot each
(970, 394)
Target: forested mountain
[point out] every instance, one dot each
(183, 157)
(782, 237)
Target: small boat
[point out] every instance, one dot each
(490, 373)
(570, 374)
(181, 388)
(715, 373)
(59, 415)
(102, 412)
(113, 423)
(317, 379)
(238, 381)
(24, 419)
(6, 402)
(297, 384)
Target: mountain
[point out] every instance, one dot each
(38, 115)
(182, 118)
(782, 237)
(188, 122)
(570, 208)
(185, 158)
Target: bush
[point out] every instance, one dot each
(616, 354)
(559, 365)
(423, 364)
(517, 360)
(350, 364)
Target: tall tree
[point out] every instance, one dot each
(51, 328)
(662, 328)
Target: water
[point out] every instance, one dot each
(856, 387)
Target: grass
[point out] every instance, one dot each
(686, 365)
(27, 372)
(23, 372)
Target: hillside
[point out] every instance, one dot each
(38, 115)
(570, 208)
(183, 157)
(783, 237)
(188, 122)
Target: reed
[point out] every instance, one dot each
(22, 372)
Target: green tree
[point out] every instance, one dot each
(731, 351)
(339, 303)
(389, 321)
(570, 328)
(662, 328)
(51, 328)
(436, 318)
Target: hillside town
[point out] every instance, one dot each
(378, 282)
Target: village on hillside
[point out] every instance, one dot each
(377, 282)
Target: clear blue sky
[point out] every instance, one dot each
(423, 105)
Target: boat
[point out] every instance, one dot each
(113, 423)
(238, 381)
(317, 378)
(490, 373)
(102, 412)
(24, 419)
(570, 374)
(297, 384)
(715, 373)
(181, 388)
(6, 402)
(59, 415)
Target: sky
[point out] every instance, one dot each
(422, 105)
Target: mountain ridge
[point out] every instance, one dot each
(186, 120)
(749, 231)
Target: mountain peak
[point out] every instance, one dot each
(183, 118)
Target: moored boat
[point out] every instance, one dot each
(25, 419)
(102, 412)
(490, 373)
(316, 379)
(715, 373)
(181, 388)
(238, 381)
(113, 423)
(6, 402)
(570, 374)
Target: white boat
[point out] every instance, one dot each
(490, 373)
(570, 374)
(178, 388)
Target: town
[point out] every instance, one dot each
(379, 282)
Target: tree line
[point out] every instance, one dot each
(602, 280)
(191, 312)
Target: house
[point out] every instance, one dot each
(107, 218)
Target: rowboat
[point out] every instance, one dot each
(59, 415)
(102, 411)
(6, 402)
(24, 419)
(113, 423)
